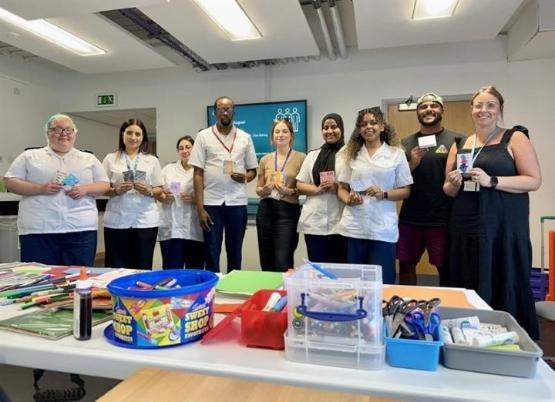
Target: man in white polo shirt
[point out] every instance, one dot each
(224, 160)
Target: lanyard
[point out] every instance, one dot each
(221, 142)
(128, 162)
(490, 137)
(284, 162)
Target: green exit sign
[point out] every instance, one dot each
(108, 99)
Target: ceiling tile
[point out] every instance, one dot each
(125, 51)
(282, 23)
(35, 9)
(388, 23)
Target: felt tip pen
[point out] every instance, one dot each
(144, 285)
(280, 304)
(319, 268)
(272, 300)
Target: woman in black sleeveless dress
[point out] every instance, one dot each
(489, 247)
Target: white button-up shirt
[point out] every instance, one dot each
(210, 155)
(56, 213)
(320, 212)
(179, 220)
(132, 209)
(373, 219)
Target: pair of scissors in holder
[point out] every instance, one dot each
(394, 312)
(423, 325)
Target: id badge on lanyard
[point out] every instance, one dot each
(229, 164)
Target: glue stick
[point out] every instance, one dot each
(82, 307)
(465, 322)
(503, 338)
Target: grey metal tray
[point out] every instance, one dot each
(469, 358)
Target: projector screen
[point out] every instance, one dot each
(256, 119)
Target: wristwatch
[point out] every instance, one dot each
(385, 195)
(493, 181)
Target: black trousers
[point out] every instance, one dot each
(276, 227)
(129, 248)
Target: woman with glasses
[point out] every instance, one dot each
(322, 209)
(131, 217)
(372, 176)
(180, 234)
(489, 246)
(57, 220)
(279, 210)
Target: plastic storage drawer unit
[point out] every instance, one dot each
(336, 319)
(470, 358)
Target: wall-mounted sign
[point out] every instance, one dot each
(106, 99)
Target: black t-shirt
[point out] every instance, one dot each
(428, 205)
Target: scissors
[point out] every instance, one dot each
(394, 313)
(428, 307)
(417, 320)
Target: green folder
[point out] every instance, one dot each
(247, 282)
(49, 323)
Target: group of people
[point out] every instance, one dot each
(473, 221)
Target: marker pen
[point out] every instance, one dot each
(273, 299)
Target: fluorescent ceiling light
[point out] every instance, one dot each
(53, 33)
(229, 15)
(426, 9)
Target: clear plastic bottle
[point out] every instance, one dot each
(82, 307)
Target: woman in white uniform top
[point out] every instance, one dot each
(58, 219)
(131, 218)
(322, 209)
(372, 176)
(180, 234)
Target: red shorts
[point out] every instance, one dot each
(414, 239)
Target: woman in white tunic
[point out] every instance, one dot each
(57, 220)
(372, 176)
(322, 209)
(131, 218)
(180, 234)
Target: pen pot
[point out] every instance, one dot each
(263, 329)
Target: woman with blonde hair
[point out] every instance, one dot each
(488, 246)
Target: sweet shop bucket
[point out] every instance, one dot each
(161, 308)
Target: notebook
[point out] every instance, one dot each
(247, 282)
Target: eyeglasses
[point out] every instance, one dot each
(61, 130)
(490, 106)
(228, 110)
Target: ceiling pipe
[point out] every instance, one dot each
(325, 31)
(157, 32)
(337, 29)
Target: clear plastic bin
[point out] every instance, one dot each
(335, 322)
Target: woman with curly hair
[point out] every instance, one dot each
(373, 174)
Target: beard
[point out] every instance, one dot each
(438, 118)
(225, 121)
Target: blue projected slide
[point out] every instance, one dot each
(256, 119)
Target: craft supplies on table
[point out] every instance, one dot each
(162, 315)
(263, 320)
(412, 333)
(334, 315)
(520, 363)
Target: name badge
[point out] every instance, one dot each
(276, 177)
(469, 185)
(228, 167)
(327, 177)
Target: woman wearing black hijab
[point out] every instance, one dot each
(322, 210)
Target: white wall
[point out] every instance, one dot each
(344, 86)
(97, 137)
(26, 102)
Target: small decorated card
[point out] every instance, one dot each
(464, 162)
(427, 141)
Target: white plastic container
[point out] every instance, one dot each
(336, 322)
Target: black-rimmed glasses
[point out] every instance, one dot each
(62, 130)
